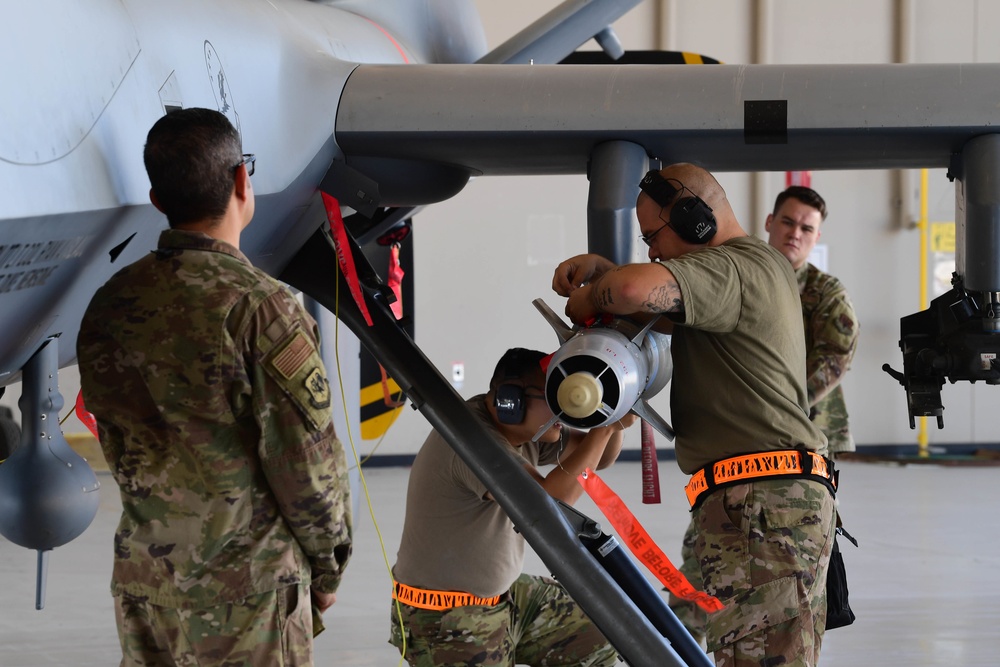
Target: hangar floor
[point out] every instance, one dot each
(925, 582)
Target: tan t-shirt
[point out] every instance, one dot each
(739, 355)
(454, 538)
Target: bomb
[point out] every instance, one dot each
(602, 372)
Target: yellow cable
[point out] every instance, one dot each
(354, 450)
(399, 394)
(372, 452)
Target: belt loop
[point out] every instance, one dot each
(805, 459)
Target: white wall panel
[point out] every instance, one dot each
(848, 31)
(945, 32)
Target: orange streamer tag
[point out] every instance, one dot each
(395, 275)
(344, 257)
(641, 544)
(387, 398)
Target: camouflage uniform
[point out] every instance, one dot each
(831, 330)
(214, 416)
(781, 555)
(273, 628)
(776, 537)
(831, 339)
(536, 619)
(761, 546)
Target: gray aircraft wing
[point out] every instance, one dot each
(548, 119)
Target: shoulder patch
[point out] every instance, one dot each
(275, 330)
(292, 356)
(318, 388)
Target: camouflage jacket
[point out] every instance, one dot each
(831, 339)
(214, 416)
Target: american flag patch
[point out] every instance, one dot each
(292, 356)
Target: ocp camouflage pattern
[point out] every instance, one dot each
(764, 549)
(832, 329)
(214, 416)
(272, 628)
(536, 623)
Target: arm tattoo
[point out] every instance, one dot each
(665, 299)
(603, 298)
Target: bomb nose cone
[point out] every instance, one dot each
(580, 395)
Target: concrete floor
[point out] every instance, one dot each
(925, 583)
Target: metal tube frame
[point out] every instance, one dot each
(534, 513)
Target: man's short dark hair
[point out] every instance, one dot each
(517, 363)
(807, 196)
(190, 157)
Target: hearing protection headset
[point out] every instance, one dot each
(509, 403)
(508, 399)
(691, 218)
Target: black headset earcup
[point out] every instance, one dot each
(658, 188)
(693, 220)
(509, 403)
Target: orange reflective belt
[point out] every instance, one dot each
(439, 600)
(784, 463)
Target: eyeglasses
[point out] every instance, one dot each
(648, 238)
(248, 159)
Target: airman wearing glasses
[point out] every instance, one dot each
(738, 403)
(459, 561)
(214, 416)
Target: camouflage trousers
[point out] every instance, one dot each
(763, 549)
(272, 629)
(536, 623)
(689, 614)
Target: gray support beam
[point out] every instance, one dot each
(977, 214)
(616, 167)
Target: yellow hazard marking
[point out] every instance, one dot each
(373, 392)
(376, 426)
(292, 356)
(692, 58)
